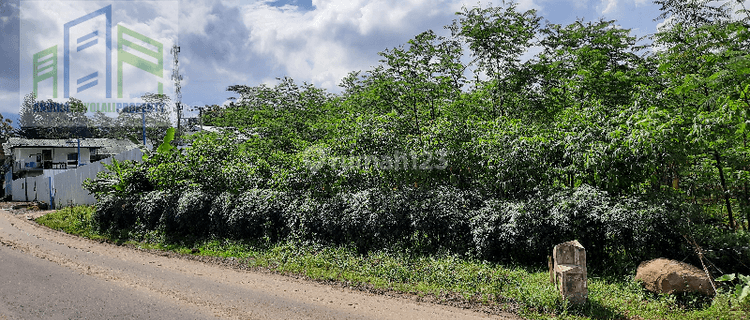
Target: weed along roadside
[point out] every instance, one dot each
(438, 278)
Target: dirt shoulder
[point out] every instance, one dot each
(215, 286)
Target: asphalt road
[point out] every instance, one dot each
(33, 288)
(46, 274)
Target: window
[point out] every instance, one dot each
(47, 159)
(47, 155)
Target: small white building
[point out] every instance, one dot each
(35, 157)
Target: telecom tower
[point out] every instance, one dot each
(177, 77)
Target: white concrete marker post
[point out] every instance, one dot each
(568, 271)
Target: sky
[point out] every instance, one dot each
(249, 42)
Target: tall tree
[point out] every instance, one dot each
(497, 37)
(703, 59)
(423, 76)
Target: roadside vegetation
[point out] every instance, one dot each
(446, 279)
(73, 220)
(455, 157)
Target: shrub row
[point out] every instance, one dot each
(446, 219)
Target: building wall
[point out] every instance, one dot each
(26, 155)
(19, 189)
(68, 185)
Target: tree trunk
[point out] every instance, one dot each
(744, 205)
(416, 118)
(570, 179)
(724, 189)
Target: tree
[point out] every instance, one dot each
(51, 120)
(703, 59)
(497, 38)
(587, 62)
(426, 75)
(6, 127)
(284, 114)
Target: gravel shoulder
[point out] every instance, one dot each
(207, 289)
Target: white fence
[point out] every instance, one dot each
(65, 187)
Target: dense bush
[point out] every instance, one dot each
(256, 213)
(440, 219)
(152, 209)
(114, 213)
(121, 179)
(616, 232)
(723, 250)
(221, 208)
(372, 218)
(427, 215)
(494, 229)
(191, 215)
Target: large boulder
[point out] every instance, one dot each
(671, 276)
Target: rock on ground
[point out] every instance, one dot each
(670, 276)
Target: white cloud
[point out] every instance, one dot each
(611, 6)
(228, 42)
(664, 24)
(195, 16)
(738, 6)
(9, 101)
(42, 27)
(524, 5)
(531, 52)
(323, 45)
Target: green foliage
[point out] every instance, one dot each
(255, 214)
(166, 146)
(497, 37)
(114, 213)
(121, 179)
(190, 217)
(72, 220)
(152, 210)
(624, 230)
(589, 140)
(444, 277)
(221, 208)
(741, 289)
(725, 250)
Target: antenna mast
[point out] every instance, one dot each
(177, 77)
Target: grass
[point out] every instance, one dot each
(444, 277)
(72, 220)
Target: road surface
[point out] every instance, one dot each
(47, 274)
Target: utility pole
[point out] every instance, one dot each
(178, 94)
(200, 115)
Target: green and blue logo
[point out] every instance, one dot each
(89, 55)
